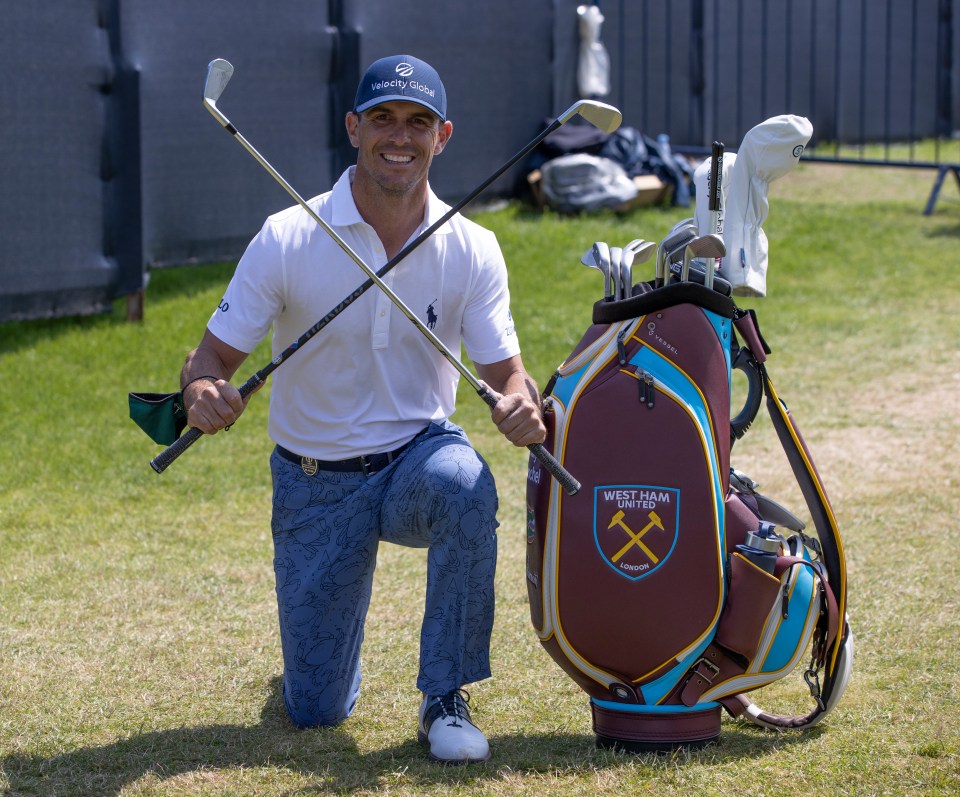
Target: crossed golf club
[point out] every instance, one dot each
(219, 72)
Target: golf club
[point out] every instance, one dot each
(219, 73)
(705, 247)
(674, 242)
(615, 272)
(675, 255)
(602, 254)
(626, 271)
(716, 225)
(637, 251)
(593, 259)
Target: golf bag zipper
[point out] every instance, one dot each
(648, 390)
(622, 346)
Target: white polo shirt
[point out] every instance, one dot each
(369, 380)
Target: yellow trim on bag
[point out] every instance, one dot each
(841, 603)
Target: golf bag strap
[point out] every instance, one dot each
(749, 328)
(821, 512)
(830, 636)
(738, 705)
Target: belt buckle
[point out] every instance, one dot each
(365, 466)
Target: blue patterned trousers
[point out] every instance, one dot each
(438, 494)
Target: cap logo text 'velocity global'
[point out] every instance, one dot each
(401, 85)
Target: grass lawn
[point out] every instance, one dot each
(138, 644)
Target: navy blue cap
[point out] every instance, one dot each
(402, 77)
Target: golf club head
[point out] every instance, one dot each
(644, 252)
(637, 251)
(219, 73)
(640, 250)
(710, 245)
(599, 114)
(689, 222)
(631, 248)
(592, 259)
(616, 265)
(673, 243)
(705, 246)
(626, 272)
(601, 255)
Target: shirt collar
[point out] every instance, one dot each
(345, 210)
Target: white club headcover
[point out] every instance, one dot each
(768, 151)
(701, 183)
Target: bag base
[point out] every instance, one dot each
(639, 732)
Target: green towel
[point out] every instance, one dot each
(160, 415)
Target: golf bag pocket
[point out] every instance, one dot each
(753, 592)
(784, 635)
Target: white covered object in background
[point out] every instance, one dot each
(593, 67)
(768, 151)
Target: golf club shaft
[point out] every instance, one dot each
(716, 174)
(569, 484)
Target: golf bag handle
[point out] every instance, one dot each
(745, 362)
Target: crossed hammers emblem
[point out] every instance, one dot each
(635, 536)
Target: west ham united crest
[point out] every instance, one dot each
(635, 526)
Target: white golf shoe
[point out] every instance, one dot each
(446, 730)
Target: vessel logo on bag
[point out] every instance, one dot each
(635, 526)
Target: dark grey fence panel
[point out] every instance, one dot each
(203, 196)
(56, 61)
(655, 51)
(495, 59)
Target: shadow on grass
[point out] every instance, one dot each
(165, 285)
(331, 761)
(949, 229)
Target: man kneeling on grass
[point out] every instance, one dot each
(364, 448)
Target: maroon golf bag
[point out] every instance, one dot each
(667, 587)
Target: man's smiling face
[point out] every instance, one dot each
(397, 142)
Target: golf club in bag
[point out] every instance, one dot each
(219, 73)
(668, 588)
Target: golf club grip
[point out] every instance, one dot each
(716, 175)
(569, 484)
(162, 460)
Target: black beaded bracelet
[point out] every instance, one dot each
(197, 379)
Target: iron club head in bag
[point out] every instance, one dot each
(595, 258)
(674, 242)
(637, 251)
(708, 247)
(601, 253)
(616, 257)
